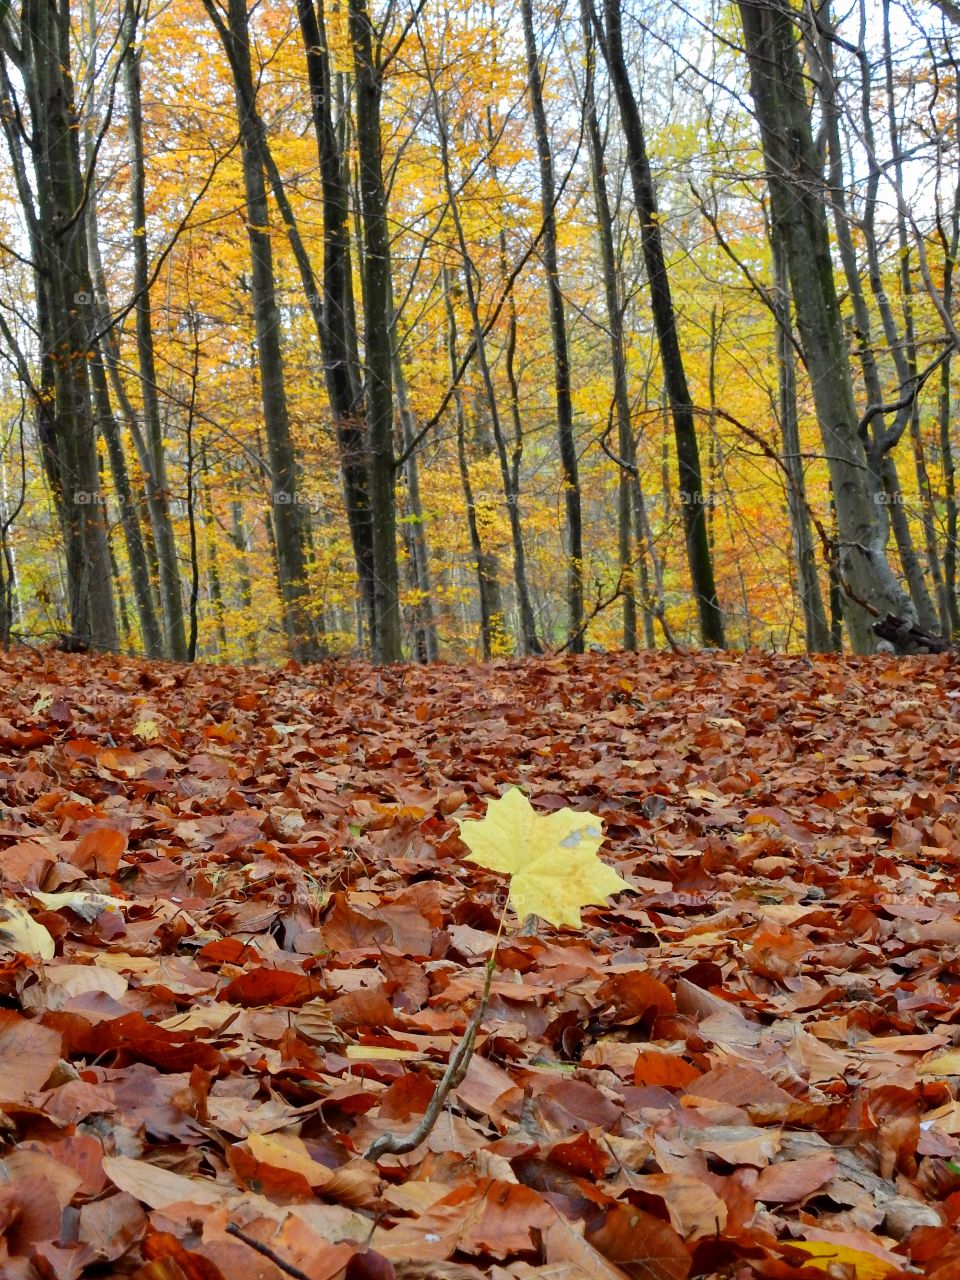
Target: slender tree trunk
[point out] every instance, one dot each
(488, 584)
(56, 227)
(950, 240)
(238, 536)
(614, 306)
(213, 555)
(109, 349)
(377, 340)
(511, 458)
(909, 358)
(289, 518)
(558, 333)
(665, 323)
(815, 626)
(109, 429)
(425, 630)
(797, 202)
(171, 596)
(335, 311)
(944, 422)
(193, 326)
(150, 631)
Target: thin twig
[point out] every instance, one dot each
(287, 1267)
(397, 1144)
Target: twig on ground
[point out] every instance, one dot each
(287, 1267)
(397, 1144)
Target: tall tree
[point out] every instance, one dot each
(614, 309)
(488, 581)
(558, 334)
(288, 508)
(158, 495)
(377, 328)
(798, 208)
(335, 311)
(610, 35)
(39, 46)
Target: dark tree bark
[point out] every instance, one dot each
(665, 323)
(171, 591)
(151, 633)
(55, 222)
(798, 208)
(377, 318)
(335, 311)
(288, 513)
(488, 581)
(558, 333)
(426, 642)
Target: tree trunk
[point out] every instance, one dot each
(797, 202)
(908, 363)
(288, 510)
(213, 555)
(425, 629)
(665, 323)
(558, 333)
(335, 310)
(151, 634)
(109, 429)
(815, 626)
(56, 226)
(377, 340)
(171, 597)
(614, 306)
(488, 584)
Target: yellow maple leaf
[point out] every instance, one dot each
(551, 859)
(147, 729)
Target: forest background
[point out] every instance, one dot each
(420, 331)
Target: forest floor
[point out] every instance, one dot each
(241, 942)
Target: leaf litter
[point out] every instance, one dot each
(240, 938)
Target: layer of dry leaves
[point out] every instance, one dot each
(267, 943)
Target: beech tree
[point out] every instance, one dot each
(799, 214)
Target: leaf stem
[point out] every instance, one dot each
(397, 1144)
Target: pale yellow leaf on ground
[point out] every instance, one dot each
(77, 979)
(82, 903)
(358, 1052)
(147, 729)
(20, 932)
(948, 1064)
